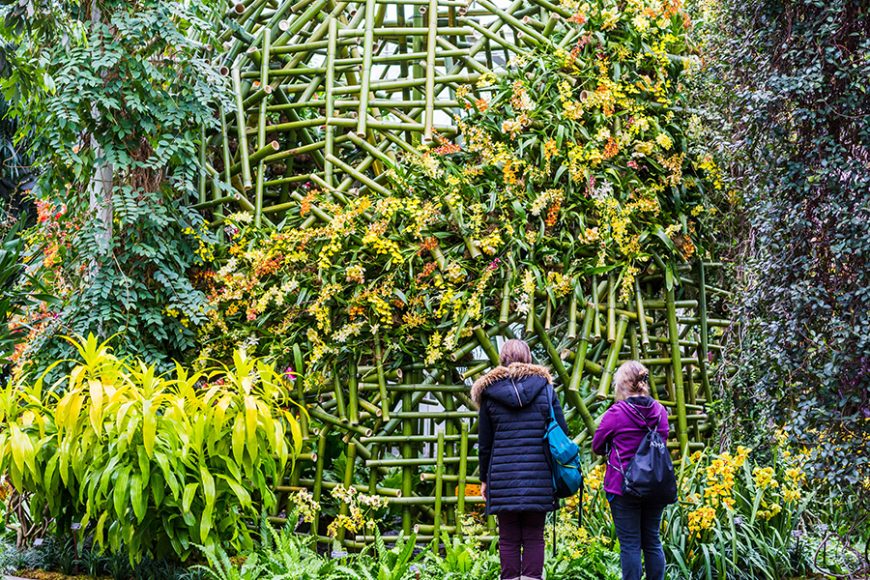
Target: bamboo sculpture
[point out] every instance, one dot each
(329, 92)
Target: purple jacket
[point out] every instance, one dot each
(623, 430)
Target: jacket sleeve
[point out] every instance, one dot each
(560, 416)
(484, 440)
(604, 432)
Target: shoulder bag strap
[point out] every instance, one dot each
(641, 417)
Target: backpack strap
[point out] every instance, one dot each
(551, 393)
(643, 419)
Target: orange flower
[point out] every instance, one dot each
(611, 148)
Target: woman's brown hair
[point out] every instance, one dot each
(515, 351)
(630, 380)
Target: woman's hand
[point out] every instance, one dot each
(483, 489)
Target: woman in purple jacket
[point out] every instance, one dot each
(619, 434)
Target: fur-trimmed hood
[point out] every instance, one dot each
(520, 373)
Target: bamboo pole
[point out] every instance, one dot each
(677, 367)
(439, 489)
(641, 315)
(596, 326)
(350, 459)
(353, 394)
(612, 358)
(487, 346)
(462, 475)
(317, 487)
(429, 116)
(241, 126)
(330, 105)
(703, 349)
(611, 309)
(382, 381)
(407, 453)
(368, 40)
(580, 358)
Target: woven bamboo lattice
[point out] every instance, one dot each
(329, 92)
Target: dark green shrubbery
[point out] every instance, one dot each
(795, 95)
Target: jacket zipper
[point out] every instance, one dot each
(519, 401)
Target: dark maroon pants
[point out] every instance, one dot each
(521, 544)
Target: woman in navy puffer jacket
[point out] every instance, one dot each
(515, 473)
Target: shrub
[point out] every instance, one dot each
(792, 81)
(147, 462)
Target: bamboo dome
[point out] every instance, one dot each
(333, 95)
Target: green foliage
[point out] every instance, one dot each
(11, 300)
(463, 557)
(150, 463)
(792, 78)
(120, 96)
(575, 161)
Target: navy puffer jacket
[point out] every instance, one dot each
(514, 460)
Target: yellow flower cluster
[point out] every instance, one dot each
(720, 477)
(356, 519)
(701, 520)
(306, 507)
(764, 477)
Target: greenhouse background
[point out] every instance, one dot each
(256, 254)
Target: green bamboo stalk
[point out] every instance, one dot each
(462, 475)
(611, 309)
(429, 116)
(469, 479)
(353, 394)
(299, 368)
(317, 487)
(260, 154)
(678, 373)
(382, 382)
(408, 83)
(371, 150)
(452, 51)
(491, 36)
(504, 313)
(572, 317)
(338, 391)
(407, 453)
(632, 342)
(241, 126)
(412, 438)
(330, 105)
(379, 490)
(580, 358)
(350, 456)
(596, 327)
(439, 489)
(225, 146)
(704, 339)
(641, 315)
(612, 358)
(530, 317)
(362, 178)
(368, 40)
(374, 410)
(435, 415)
(486, 345)
(325, 417)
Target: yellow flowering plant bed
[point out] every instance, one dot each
(581, 158)
(735, 517)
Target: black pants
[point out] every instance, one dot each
(521, 544)
(637, 527)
